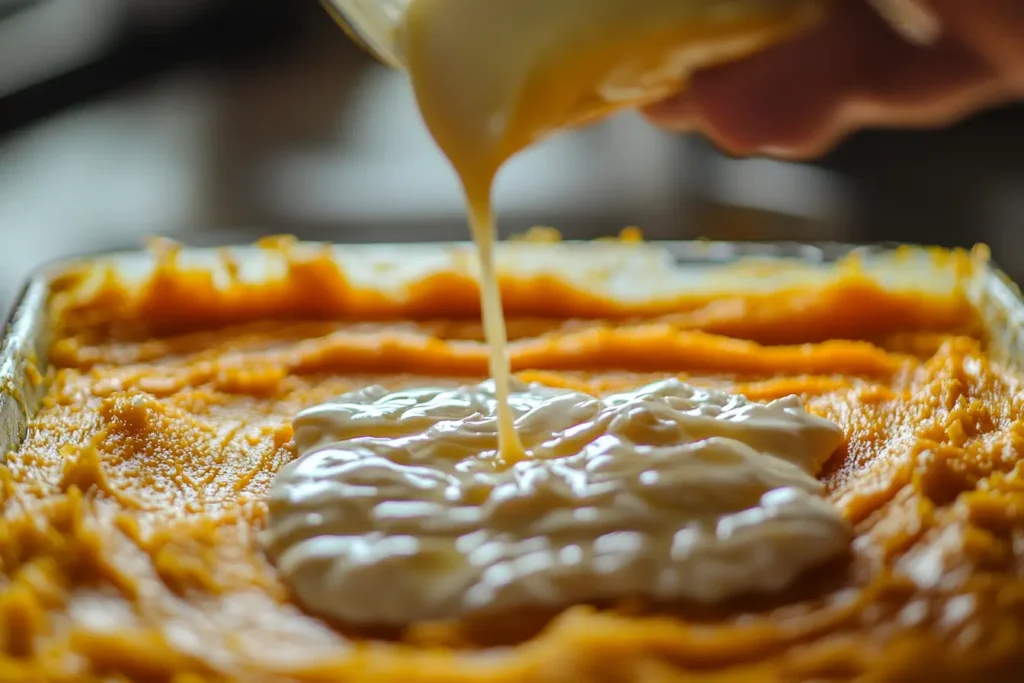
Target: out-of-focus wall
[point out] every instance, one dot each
(240, 118)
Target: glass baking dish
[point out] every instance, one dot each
(654, 277)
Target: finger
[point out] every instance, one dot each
(854, 115)
(792, 93)
(903, 86)
(721, 83)
(798, 99)
(785, 94)
(995, 29)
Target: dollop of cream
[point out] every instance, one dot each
(400, 509)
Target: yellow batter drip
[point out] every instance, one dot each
(492, 77)
(481, 220)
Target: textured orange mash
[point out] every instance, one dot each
(128, 547)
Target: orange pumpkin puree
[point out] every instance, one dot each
(128, 547)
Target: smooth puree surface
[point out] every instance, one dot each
(129, 540)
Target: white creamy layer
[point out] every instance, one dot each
(399, 509)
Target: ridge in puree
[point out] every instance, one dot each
(400, 507)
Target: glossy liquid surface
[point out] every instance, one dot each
(400, 509)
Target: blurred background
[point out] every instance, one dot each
(218, 121)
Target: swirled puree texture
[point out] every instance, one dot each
(135, 509)
(399, 508)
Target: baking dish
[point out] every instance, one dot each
(654, 278)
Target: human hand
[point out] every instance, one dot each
(852, 71)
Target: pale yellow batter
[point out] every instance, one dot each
(492, 77)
